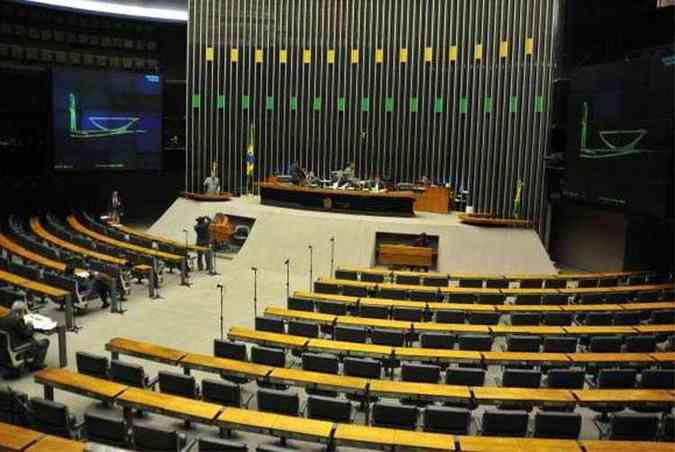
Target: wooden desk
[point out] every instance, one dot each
(19, 250)
(467, 307)
(404, 255)
(315, 296)
(77, 383)
(54, 443)
(349, 348)
(538, 396)
(522, 291)
(591, 308)
(265, 338)
(663, 357)
(145, 350)
(538, 308)
(275, 424)
(618, 358)
(450, 328)
(370, 271)
(232, 367)
(32, 286)
(419, 288)
(422, 275)
(420, 391)
(625, 446)
(542, 330)
(169, 405)
(407, 440)
(297, 377)
(661, 305)
(437, 355)
(655, 329)
(398, 325)
(156, 238)
(208, 197)
(476, 220)
(598, 330)
(364, 436)
(624, 396)
(470, 290)
(348, 282)
(290, 314)
(433, 199)
(500, 444)
(534, 358)
(13, 438)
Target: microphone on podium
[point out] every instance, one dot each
(220, 286)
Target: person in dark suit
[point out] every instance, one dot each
(202, 231)
(21, 335)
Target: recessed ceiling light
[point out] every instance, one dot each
(107, 7)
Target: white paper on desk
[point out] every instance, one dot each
(40, 322)
(82, 274)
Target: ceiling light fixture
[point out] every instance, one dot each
(106, 7)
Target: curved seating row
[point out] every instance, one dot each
(14, 438)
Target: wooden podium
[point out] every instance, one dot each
(433, 199)
(404, 255)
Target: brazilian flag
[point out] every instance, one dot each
(250, 152)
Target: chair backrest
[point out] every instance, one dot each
(528, 300)
(281, 402)
(560, 344)
(13, 406)
(647, 297)
(423, 295)
(598, 319)
(269, 324)
(102, 429)
(372, 277)
(497, 284)
(668, 432)
(626, 318)
(618, 297)
(484, 318)
(521, 378)
(641, 344)
(302, 328)
(512, 423)
(475, 342)
(424, 373)
(350, 334)
(554, 300)
(320, 362)
(557, 425)
(127, 373)
(211, 444)
(332, 308)
(221, 392)
(299, 304)
(436, 281)
(662, 317)
(362, 367)
(605, 344)
(437, 340)
(374, 312)
(346, 274)
(229, 350)
(472, 283)
(448, 420)
(269, 356)
(394, 294)
(329, 409)
(354, 291)
(525, 319)
(90, 364)
(50, 417)
(9, 359)
(462, 298)
(521, 343)
(464, 376)
(156, 439)
(394, 415)
(177, 384)
(491, 299)
(658, 379)
(387, 337)
(633, 427)
(413, 280)
(555, 283)
(617, 378)
(407, 314)
(531, 283)
(565, 378)
(557, 319)
(608, 282)
(329, 288)
(450, 316)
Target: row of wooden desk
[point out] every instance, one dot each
(18, 439)
(293, 427)
(155, 238)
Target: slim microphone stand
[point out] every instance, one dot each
(288, 278)
(255, 292)
(221, 311)
(185, 278)
(332, 255)
(311, 267)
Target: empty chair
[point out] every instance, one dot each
(329, 409)
(658, 379)
(413, 280)
(484, 318)
(394, 415)
(557, 425)
(354, 291)
(374, 312)
(329, 288)
(519, 343)
(475, 342)
(565, 379)
(626, 318)
(332, 308)
(616, 378)
(636, 280)
(346, 274)
(464, 377)
(437, 340)
(93, 365)
(372, 277)
(521, 378)
(528, 300)
(497, 283)
(13, 406)
(633, 427)
(52, 418)
(598, 319)
(641, 344)
(436, 281)
(350, 334)
(554, 300)
(157, 439)
(511, 423)
(605, 344)
(394, 294)
(270, 324)
(362, 367)
(177, 384)
(525, 319)
(557, 319)
(407, 314)
(423, 373)
(281, 402)
(491, 299)
(647, 297)
(269, 356)
(668, 430)
(424, 295)
(473, 283)
(320, 362)
(231, 350)
(560, 344)
(450, 316)
(210, 444)
(221, 392)
(106, 430)
(531, 283)
(560, 283)
(299, 304)
(130, 374)
(662, 317)
(387, 337)
(588, 282)
(448, 420)
(608, 282)
(462, 298)
(618, 298)
(302, 328)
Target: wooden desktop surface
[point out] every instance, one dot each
(55, 443)
(170, 405)
(19, 250)
(13, 438)
(43, 289)
(404, 255)
(392, 388)
(208, 363)
(144, 350)
(485, 394)
(500, 444)
(626, 446)
(156, 238)
(327, 191)
(624, 396)
(79, 383)
(263, 337)
(300, 377)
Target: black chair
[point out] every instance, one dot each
(320, 362)
(554, 300)
(633, 427)
(510, 423)
(436, 281)
(468, 298)
(531, 283)
(557, 425)
(555, 283)
(412, 280)
(350, 334)
(491, 299)
(270, 325)
(460, 376)
(626, 318)
(598, 319)
(329, 288)
(372, 277)
(407, 314)
(299, 304)
(605, 344)
(130, 374)
(362, 367)
(374, 312)
(497, 283)
(560, 344)
(387, 337)
(592, 298)
(662, 317)
(92, 365)
(484, 318)
(447, 420)
(658, 379)
(668, 428)
(346, 274)
(221, 445)
(106, 430)
(636, 280)
(518, 343)
(421, 373)
(528, 300)
(647, 297)
(394, 294)
(231, 350)
(280, 402)
(221, 393)
(178, 384)
(268, 356)
(641, 344)
(450, 316)
(618, 298)
(13, 406)
(588, 282)
(565, 379)
(557, 319)
(475, 342)
(302, 328)
(437, 340)
(354, 291)
(53, 418)
(472, 283)
(424, 296)
(332, 308)
(157, 439)
(521, 378)
(329, 409)
(393, 415)
(525, 319)
(608, 282)
(617, 378)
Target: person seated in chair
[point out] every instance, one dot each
(21, 336)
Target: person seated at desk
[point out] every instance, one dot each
(297, 173)
(21, 337)
(422, 241)
(90, 284)
(212, 184)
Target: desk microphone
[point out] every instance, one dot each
(184, 230)
(286, 261)
(254, 269)
(220, 286)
